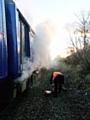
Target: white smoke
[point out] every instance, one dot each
(45, 33)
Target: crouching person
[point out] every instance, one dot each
(56, 80)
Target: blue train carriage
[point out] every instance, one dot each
(14, 50)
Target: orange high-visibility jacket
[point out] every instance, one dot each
(55, 74)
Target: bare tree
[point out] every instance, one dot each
(80, 31)
(80, 37)
(83, 27)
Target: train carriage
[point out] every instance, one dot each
(14, 48)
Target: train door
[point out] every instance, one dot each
(23, 43)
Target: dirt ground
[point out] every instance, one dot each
(72, 104)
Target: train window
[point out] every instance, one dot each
(32, 35)
(23, 41)
(31, 40)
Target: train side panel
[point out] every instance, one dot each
(3, 43)
(3, 56)
(13, 65)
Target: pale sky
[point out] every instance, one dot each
(59, 11)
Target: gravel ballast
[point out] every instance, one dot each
(33, 105)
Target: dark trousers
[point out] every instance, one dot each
(58, 81)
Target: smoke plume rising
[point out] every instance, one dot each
(45, 33)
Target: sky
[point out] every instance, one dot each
(55, 12)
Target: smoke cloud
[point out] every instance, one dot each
(45, 33)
